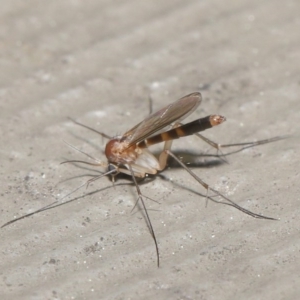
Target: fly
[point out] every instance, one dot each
(129, 153)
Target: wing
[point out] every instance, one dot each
(176, 111)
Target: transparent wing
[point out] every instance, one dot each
(176, 111)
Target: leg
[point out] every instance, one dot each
(163, 157)
(146, 215)
(207, 187)
(92, 129)
(242, 145)
(56, 203)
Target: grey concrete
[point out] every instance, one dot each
(98, 62)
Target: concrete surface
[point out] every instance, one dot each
(99, 62)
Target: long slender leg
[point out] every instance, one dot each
(90, 128)
(207, 187)
(30, 214)
(149, 224)
(242, 145)
(57, 202)
(98, 162)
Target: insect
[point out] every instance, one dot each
(129, 153)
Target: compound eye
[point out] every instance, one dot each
(112, 167)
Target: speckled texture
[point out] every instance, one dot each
(99, 62)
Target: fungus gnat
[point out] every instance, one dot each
(129, 153)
